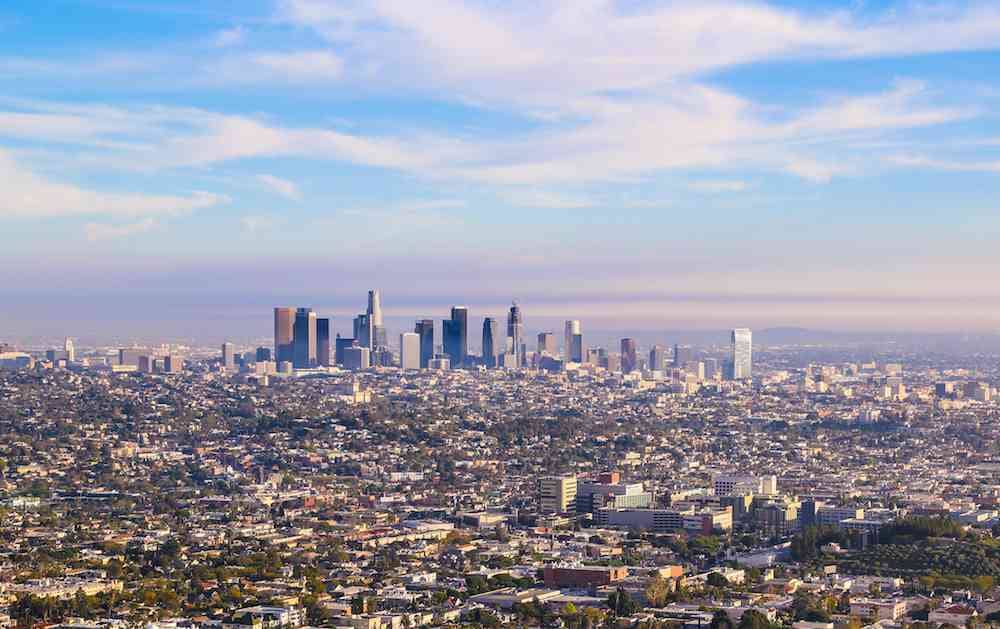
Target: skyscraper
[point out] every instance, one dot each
(657, 358)
(409, 350)
(569, 355)
(323, 342)
(284, 333)
(363, 332)
(69, 349)
(374, 313)
(547, 344)
(425, 328)
(742, 353)
(630, 360)
(340, 344)
(492, 342)
(304, 339)
(515, 334)
(682, 355)
(228, 356)
(455, 335)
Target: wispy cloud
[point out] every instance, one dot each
(26, 194)
(283, 187)
(230, 37)
(715, 186)
(100, 231)
(537, 198)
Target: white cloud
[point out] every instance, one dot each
(953, 165)
(283, 187)
(536, 198)
(718, 185)
(101, 231)
(27, 194)
(309, 64)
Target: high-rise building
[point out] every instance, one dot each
(172, 363)
(515, 334)
(262, 355)
(556, 494)
(576, 345)
(492, 343)
(323, 342)
(425, 328)
(228, 356)
(304, 339)
(357, 358)
(547, 344)
(682, 355)
(571, 329)
(339, 346)
(455, 335)
(363, 331)
(69, 349)
(284, 334)
(711, 368)
(409, 350)
(630, 359)
(374, 312)
(742, 354)
(657, 358)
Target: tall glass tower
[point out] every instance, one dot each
(742, 354)
(491, 342)
(515, 334)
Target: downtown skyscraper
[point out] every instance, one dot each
(492, 342)
(425, 329)
(742, 354)
(573, 342)
(455, 336)
(304, 339)
(515, 334)
(284, 333)
(630, 357)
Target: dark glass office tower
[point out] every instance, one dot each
(363, 331)
(683, 354)
(284, 332)
(455, 336)
(630, 359)
(304, 354)
(340, 345)
(323, 342)
(515, 334)
(491, 342)
(425, 328)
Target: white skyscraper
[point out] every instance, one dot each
(572, 329)
(69, 349)
(409, 350)
(742, 358)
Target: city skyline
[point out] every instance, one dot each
(786, 163)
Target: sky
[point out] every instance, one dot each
(649, 164)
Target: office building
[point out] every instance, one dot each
(683, 354)
(284, 333)
(147, 363)
(323, 342)
(630, 358)
(69, 349)
(339, 346)
(492, 343)
(374, 312)
(576, 349)
(455, 335)
(409, 351)
(228, 357)
(711, 368)
(263, 355)
(172, 363)
(357, 358)
(556, 494)
(515, 334)
(129, 357)
(425, 329)
(547, 344)
(742, 343)
(572, 329)
(304, 339)
(657, 358)
(363, 332)
(439, 363)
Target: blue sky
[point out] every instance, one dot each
(651, 163)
